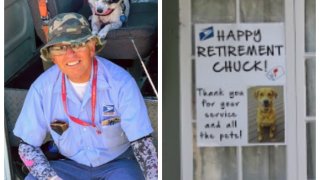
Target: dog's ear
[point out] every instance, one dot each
(256, 93)
(275, 94)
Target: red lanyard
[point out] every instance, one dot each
(93, 98)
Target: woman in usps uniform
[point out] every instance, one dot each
(92, 108)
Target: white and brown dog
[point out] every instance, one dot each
(108, 13)
(266, 114)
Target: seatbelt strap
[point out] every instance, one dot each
(44, 15)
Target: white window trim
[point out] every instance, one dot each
(185, 64)
(294, 172)
(301, 89)
(292, 153)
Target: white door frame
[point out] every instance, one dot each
(185, 61)
(185, 90)
(301, 88)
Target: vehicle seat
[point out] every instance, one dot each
(13, 101)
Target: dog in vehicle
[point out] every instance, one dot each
(108, 15)
(266, 114)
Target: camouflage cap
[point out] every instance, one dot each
(68, 28)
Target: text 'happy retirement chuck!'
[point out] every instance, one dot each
(231, 58)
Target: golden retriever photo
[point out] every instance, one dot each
(266, 114)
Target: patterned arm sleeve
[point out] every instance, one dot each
(146, 155)
(36, 161)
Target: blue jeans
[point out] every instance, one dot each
(123, 167)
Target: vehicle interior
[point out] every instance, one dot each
(24, 38)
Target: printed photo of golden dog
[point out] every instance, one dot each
(266, 114)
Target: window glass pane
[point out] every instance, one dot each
(214, 162)
(311, 150)
(213, 11)
(262, 11)
(310, 25)
(193, 85)
(311, 86)
(193, 40)
(264, 163)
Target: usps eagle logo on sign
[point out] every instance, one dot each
(206, 33)
(108, 110)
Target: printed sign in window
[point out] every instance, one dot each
(240, 84)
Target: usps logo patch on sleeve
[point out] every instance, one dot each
(108, 110)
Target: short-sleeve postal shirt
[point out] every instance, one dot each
(118, 97)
